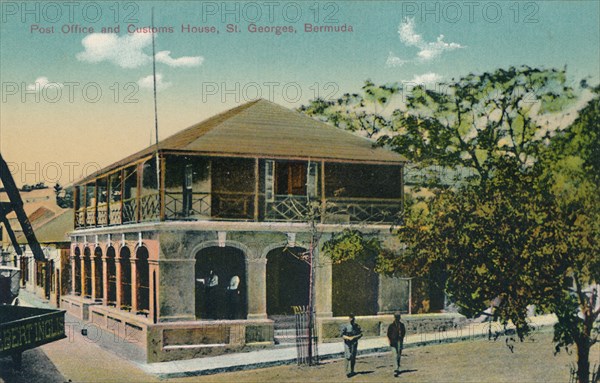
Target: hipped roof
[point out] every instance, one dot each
(263, 129)
(53, 231)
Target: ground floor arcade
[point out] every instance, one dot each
(186, 290)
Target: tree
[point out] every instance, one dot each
(573, 168)
(524, 237)
(524, 227)
(64, 197)
(465, 124)
(354, 112)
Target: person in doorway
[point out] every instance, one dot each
(233, 297)
(351, 333)
(395, 333)
(212, 282)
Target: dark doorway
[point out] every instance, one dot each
(288, 279)
(214, 302)
(125, 262)
(142, 280)
(87, 272)
(111, 273)
(98, 273)
(291, 178)
(77, 276)
(355, 289)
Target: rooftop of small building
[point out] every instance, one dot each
(53, 230)
(263, 129)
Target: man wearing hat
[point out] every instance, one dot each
(351, 333)
(396, 332)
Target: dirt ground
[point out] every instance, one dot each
(471, 361)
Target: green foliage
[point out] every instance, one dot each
(356, 112)
(525, 229)
(479, 119)
(351, 244)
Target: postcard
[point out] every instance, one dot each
(299, 191)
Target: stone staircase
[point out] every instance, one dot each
(284, 330)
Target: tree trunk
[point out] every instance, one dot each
(583, 360)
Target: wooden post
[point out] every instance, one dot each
(323, 200)
(96, 202)
(84, 204)
(122, 172)
(163, 176)
(256, 189)
(138, 195)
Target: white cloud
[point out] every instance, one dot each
(426, 78)
(41, 83)
(184, 61)
(124, 51)
(128, 51)
(427, 50)
(148, 82)
(394, 61)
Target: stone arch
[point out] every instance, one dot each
(142, 279)
(87, 272)
(111, 273)
(218, 301)
(125, 263)
(77, 271)
(213, 243)
(266, 250)
(98, 272)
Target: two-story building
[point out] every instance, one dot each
(195, 246)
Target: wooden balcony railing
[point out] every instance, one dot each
(363, 210)
(102, 215)
(232, 205)
(197, 206)
(237, 206)
(286, 208)
(150, 207)
(115, 213)
(129, 210)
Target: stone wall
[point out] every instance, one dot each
(179, 341)
(328, 329)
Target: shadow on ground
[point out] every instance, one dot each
(35, 367)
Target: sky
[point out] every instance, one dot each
(74, 100)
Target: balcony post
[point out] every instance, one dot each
(138, 195)
(95, 203)
(323, 200)
(256, 189)
(161, 190)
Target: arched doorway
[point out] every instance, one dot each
(77, 276)
(111, 272)
(142, 280)
(98, 273)
(215, 302)
(288, 280)
(87, 272)
(125, 262)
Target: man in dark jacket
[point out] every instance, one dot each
(351, 333)
(396, 332)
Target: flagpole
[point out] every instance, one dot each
(158, 183)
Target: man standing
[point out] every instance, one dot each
(233, 297)
(396, 332)
(212, 282)
(351, 333)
